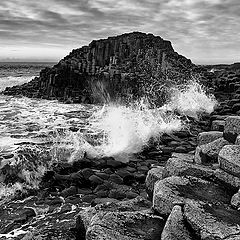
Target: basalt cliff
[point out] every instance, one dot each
(129, 65)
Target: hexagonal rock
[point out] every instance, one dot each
(218, 125)
(212, 221)
(179, 167)
(153, 176)
(175, 190)
(232, 128)
(175, 228)
(126, 220)
(229, 159)
(207, 137)
(209, 152)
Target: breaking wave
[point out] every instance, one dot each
(110, 130)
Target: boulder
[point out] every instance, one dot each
(212, 221)
(175, 190)
(229, 159)
(175, 228)
(232, 128)
(208, 153)
(207, 137)
(126, 220)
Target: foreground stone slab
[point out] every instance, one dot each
(207, 137)
(126, 220)
(153, 176)
(175, 190)
(175, 228)
(229, 159)
(125, 226)
(232, 128)
(212, 221)
(208, 153)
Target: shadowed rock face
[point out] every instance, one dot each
(109, 69)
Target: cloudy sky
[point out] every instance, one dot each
(206, 31)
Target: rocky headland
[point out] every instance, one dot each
(116, 68)
(186, 188)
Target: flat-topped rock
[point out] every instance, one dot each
(126, 220)
(179, 167)
(207, 137)
(232, 128)
(229, 159)
(175, 190)
(208, 153)
(212, 221)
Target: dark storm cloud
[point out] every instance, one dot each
(194, 26)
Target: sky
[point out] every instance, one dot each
(206, 31)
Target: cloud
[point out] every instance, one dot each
(198, 29)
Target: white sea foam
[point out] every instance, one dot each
(11, 81)
(191, 100)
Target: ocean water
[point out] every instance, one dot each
(36, 133)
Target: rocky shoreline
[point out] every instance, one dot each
(186, 187)
(169, 193)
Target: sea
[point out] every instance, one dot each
(37, 133)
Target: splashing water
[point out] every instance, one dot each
(112, 130)
(191, 100)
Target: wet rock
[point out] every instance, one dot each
(232, 128)
(218, 125)
(103, 175)
(69, 191)
(111, 162)
(115, 178)
(175, 228)
(229, 159)
(153, 176)
(212, 221)
(181, 149)
(123, 173)
(95, 180)
(208, 153)
(207, 137)
(175, 190)
(140, 177)
(88, 198)
(87, 172)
